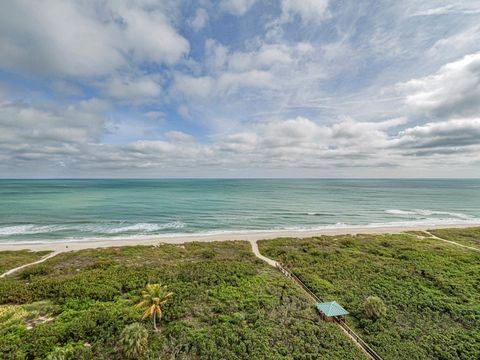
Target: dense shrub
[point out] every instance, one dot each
(134, 341)
(374, 308)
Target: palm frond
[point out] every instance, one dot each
(152, 309)
(146, 314)
(141, 304)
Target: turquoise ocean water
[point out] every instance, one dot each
(49, 210)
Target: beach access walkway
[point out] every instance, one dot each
(256, 252)
(357, 340)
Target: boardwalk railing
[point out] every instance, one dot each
(359, 340)
(295, 278)
(340, 322)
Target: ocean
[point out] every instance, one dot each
(50, 210)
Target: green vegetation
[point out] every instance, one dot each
(467, 236)
(374, 308)
(431, 289)
(13, 259)
(227, 305)
(134, 341)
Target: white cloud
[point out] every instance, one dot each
(236, 7)
(216, 55)
(151, 37)
(464, 7)
(137, 89)
(179, 136)
(193, 86)
(66, 88)
(29, 132)
(293, 133)
(184, 112)
(264, 67)
(268, 56)
(463, 42)
(284, 90)
(441, 137)
(69, 140)
(80, 38)
(453, 91)
(226, 84)
(263, 57)
(200, 20)
(309, 11)
(154, 115)
(230, 83)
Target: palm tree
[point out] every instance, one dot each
(154, 297)
(134, 341)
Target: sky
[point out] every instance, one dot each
(239, 88)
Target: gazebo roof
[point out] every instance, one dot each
(332, 309)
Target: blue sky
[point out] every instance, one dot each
(239, 88)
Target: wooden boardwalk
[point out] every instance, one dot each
(369, 352)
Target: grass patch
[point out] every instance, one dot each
(430, 289)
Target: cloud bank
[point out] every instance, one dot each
(243, 88)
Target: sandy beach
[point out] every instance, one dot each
(69, 245)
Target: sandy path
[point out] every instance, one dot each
(451, 242)
(11, 271)
(260, 256)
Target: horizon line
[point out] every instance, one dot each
(241, 178)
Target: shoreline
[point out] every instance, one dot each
(73, 245)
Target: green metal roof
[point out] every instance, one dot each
(332, 309)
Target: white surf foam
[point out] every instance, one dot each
(419, 213)
(394, 224)
(146, 227)
(28, 229)
(146, 231)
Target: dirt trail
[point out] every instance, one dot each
(14, 270)
(450, 242)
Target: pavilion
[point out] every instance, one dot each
(331, 310)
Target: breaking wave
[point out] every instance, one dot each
(146, 227)
(421, 214)
(208, 226)
(141, 228)
(29, 229)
